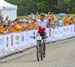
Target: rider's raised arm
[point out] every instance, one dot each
(48, 22)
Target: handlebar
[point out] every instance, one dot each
(38, 37)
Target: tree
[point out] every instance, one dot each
(25, 6)
(68, 5)
(42, 6)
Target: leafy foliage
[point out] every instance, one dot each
(26, 6)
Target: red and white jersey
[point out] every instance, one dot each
(42, 25)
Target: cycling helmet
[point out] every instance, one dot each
(42, 14)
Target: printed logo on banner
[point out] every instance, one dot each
(22, 38)
(1, 40)
(34, 35)
(74, 28)
(60, 31)
(49, 32)
(71, 29)
(66, 29)
(26, 37)
(55, 31)
(12, 40)
(17, 39)
(7, 42)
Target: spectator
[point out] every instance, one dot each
(67, 20)
(12, 28)
(17, 26)
(2, 29)
(73, 20)
(6, 20)
(59, 22)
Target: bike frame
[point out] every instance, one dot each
(40, 48)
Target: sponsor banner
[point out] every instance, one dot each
(22, 39)
(16, 40)
(67, 31)
(49, 34)
(57, 33)
(60, 33)
(53, 34)
(60, 30)
(9, 42)
(2, 37)
(72, 31)
(12, 39)
(5, 43)
(33, 34)
(2, 42)
(74, 28)
(27, 34)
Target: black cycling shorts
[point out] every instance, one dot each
(43, 35)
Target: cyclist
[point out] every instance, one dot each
(41, 26)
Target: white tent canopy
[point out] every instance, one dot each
(7, 9)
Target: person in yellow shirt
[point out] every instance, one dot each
(24, 26)
(73, 20)
(17, 26)
(14, 27)
(2, 29)
(11, 28)
(67, 20)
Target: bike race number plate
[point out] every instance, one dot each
(39, 38)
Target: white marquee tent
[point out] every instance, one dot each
(7, 9)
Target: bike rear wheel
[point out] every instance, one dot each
(41, 52)
(44, 49)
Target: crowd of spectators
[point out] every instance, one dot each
(19, 25)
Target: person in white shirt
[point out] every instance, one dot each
(41, 27)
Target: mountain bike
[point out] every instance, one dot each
(40, 48)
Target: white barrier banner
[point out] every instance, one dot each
(22, 36)
(9, 42)
(74, 29)
(49, 34)
(2, 42)
(66, 31)
(58, 33)
(33, 34)
(22, 40)
(16, 37)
